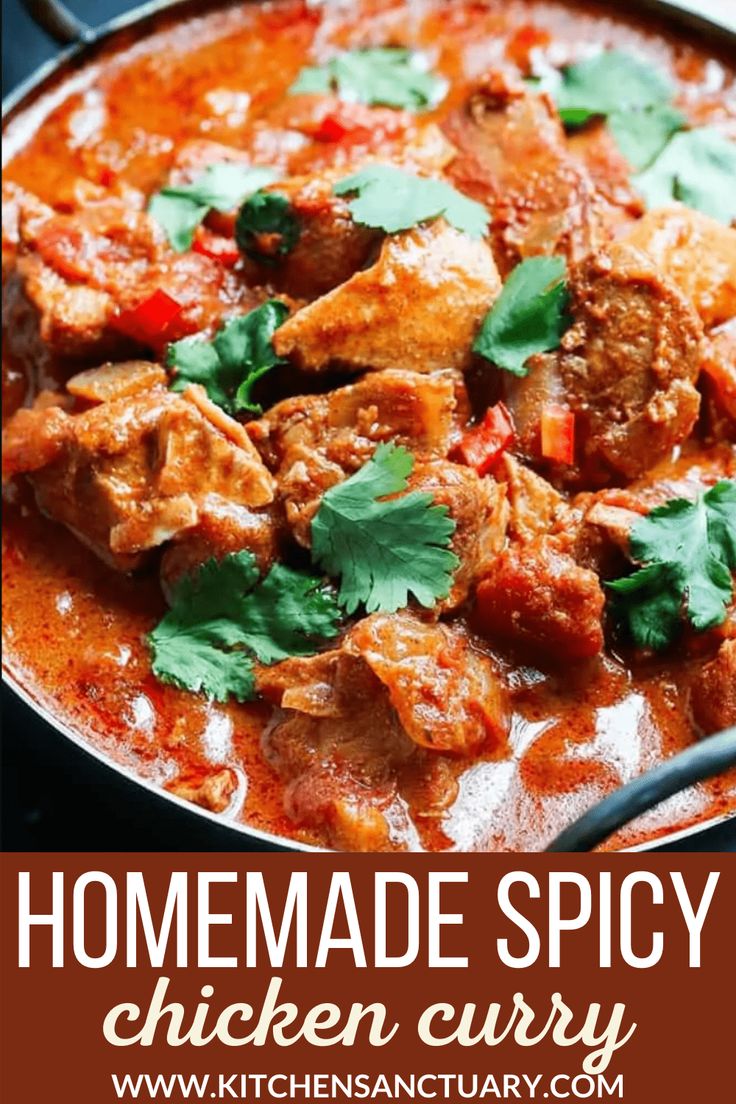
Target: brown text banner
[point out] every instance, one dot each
(342, 978)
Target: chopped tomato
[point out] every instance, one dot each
(335, 128)
(558, 434)
(216, 246)
(150, 319)
(482, 445)
(521, 44)
(289, 14)
(349, 122)
(720, 367)
(107, 176)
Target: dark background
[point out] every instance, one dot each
(25, 47)
(54, 796)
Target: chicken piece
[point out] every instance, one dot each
(696, 253)
(687, 476)
(448, 696)
(514, 158)
(627, 369)
(533, 502)
(130, 474)
(312, 442)
(116, 381)
(35, 439)
(331, 247)
(595, 531)
(713, 699)
(527, 397)
(419, 306)
(222, 527)
(595, 146)
(538, 598)
(343, 779)
(425, 413)
(79, 279)
(16, 202)
(477, 506)
(719, 379)
(210, 789)
(414, 695)
(480, 510)
(45, 317)
(630, 363)
(596, 527)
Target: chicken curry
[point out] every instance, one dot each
(370, 414)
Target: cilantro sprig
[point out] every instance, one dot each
(529, 316)
(697, 167)
(266, 227)
(228, 366)
(633, 96)
(392, 199)
(390, 76)
(688, 551)
(221, 617)
(642, 135)
(179, 209)
(384, 549)
(607, 83)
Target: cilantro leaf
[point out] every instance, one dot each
(689, 549)
(178, 218)
(286, 612)
(266, 227)
(612, 81)
(384, 549)
(697, 167)
(179, 209)
(190, 644)
(650, 603)
(642, 135)
(221, 615)
(228, 366)
(528, 317)
(392, 199)
(390, 76)
(634, 96)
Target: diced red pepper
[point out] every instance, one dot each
(150, 319)
(558, 434)
(354, 122)
(216, 247)
(527, 38)
(482, 445)
(107, 176)
(336, 127)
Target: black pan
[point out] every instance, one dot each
(185, 826)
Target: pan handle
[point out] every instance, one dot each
(705, 759)
(58, 22)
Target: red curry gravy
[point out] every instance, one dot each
(74, 628)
